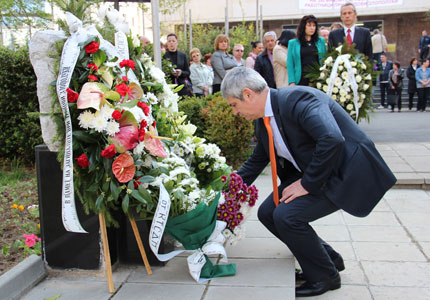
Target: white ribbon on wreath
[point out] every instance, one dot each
(351, 77)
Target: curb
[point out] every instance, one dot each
(21, 278)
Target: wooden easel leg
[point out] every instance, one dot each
(106, 252)
(139, 243)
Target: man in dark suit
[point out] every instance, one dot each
(384, 67)
(264, 61)
(181, 73)
(325, 162)
(423, 48)
(350, 32)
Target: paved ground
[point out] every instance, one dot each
(386, 254)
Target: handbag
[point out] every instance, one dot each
(392, 98)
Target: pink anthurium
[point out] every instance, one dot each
(136, 91)
(91, 95)
(128, 136)
(153, 143)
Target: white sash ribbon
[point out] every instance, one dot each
(196, 261)
(351, 77)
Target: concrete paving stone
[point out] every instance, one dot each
(258, 248)
(398, 274)
(345, 249)
(145, 291)
(400, 167)
(378, 218)
(387, 251)
(399, 293)
(353, 273)
(410, 205)
(394, 160)
(409, 178)
(388, 153)
(246, 293)
(332, 233)
(249, 272)
(382, 206)
(335, 218)
(362, 233)
(350, 292)
(406, 194)
(383, 146)
(426, 177)
(254, 229)
(406, 146)
(414, 219)
(175, 272)
(420, 167)
(419, 233)
(426, 247)
(419, 151)
(69, 290)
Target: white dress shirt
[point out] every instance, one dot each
(281, 148)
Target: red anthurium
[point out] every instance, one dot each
(72, 96)
(108, 152)
(123, 168)
(154, 145)
(92, 47)
(128, 136)
(83, 161)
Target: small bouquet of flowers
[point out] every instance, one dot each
(236, 206)
(346, 76)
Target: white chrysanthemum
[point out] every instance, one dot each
(334, 97)
(181, 170)
(319, 85)
(152, 98)
(342, 99)
(340, 68)
(354, 70)
(157, 74)
(348, 96)
(342, 92)
(86, 119)
(366, 87)
(344, 75)
(99, 122)
(335, 90)
(350, 106)
(325, 88)
(358, 78)
(338, 81)
(322, 75)
(112, 127)
(106, 111)
(138, 150)
(328, 81)
(340, 62)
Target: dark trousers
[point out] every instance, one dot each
(423, 95)
(424, 53)
(398, 92)
(411, 100)
(290, 223)
(384, 88)
(216, 88)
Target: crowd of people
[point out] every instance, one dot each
(286, 61)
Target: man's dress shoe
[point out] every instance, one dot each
(338, 263)
(308, 289)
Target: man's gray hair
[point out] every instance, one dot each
(348, 4)
(270, 33)
(239, 78)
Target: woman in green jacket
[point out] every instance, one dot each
(305, 50)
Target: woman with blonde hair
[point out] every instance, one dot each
(221, 60)
(201, 77)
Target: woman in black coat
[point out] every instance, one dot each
(412, 84)
(395, 79)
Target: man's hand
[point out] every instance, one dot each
(293, 191)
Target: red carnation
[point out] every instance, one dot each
(92, 67)
(117, 115)
(144, 107)
(154, 124)
(136, 183)
(142, 133)
(109, 151)
(92, 47)
(72, 96)
(123, 89)
(124, 78)
(83, 161)
(143, 124)
(127, 63)
(92, 78)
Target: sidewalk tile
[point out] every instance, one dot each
(398, 274)
(426, 248)
(387, 153)
(415, 151)
(394, 160)
(374, 218)
(144, 291)
(250, 292)
(400, 167)
(350, 292)
(383, 146)
(419, 233)
(409, 178)
(250, 272)
(410, 205)
(388, 251)
(414, 219)
(335, 218)
(399, 293)
(378, 234)
(254, 229)
(353, 273)
(406, 194)
(332, 233)
(406, 146)
(382, 206)
(345, 249)
(258, 248)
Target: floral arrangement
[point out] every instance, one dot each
(236, 207)
(128, 137)
(343, 74)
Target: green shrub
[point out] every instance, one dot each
(192, 107)
(231, 133)
(19, 133)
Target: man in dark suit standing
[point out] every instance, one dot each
(423, 48)
(325, 162)
(264, 61)
(350, 32)
(182, 70)
(385, 66)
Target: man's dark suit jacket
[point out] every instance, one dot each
(362, 40)
(183, 64)
(264, 66)
(336, 157)
(383, 76)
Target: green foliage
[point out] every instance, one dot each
(192, 107)
(243, 34)
(19, 133)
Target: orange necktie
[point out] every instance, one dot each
(272, 161)
(348, 37)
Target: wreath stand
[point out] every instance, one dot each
(106, 252)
